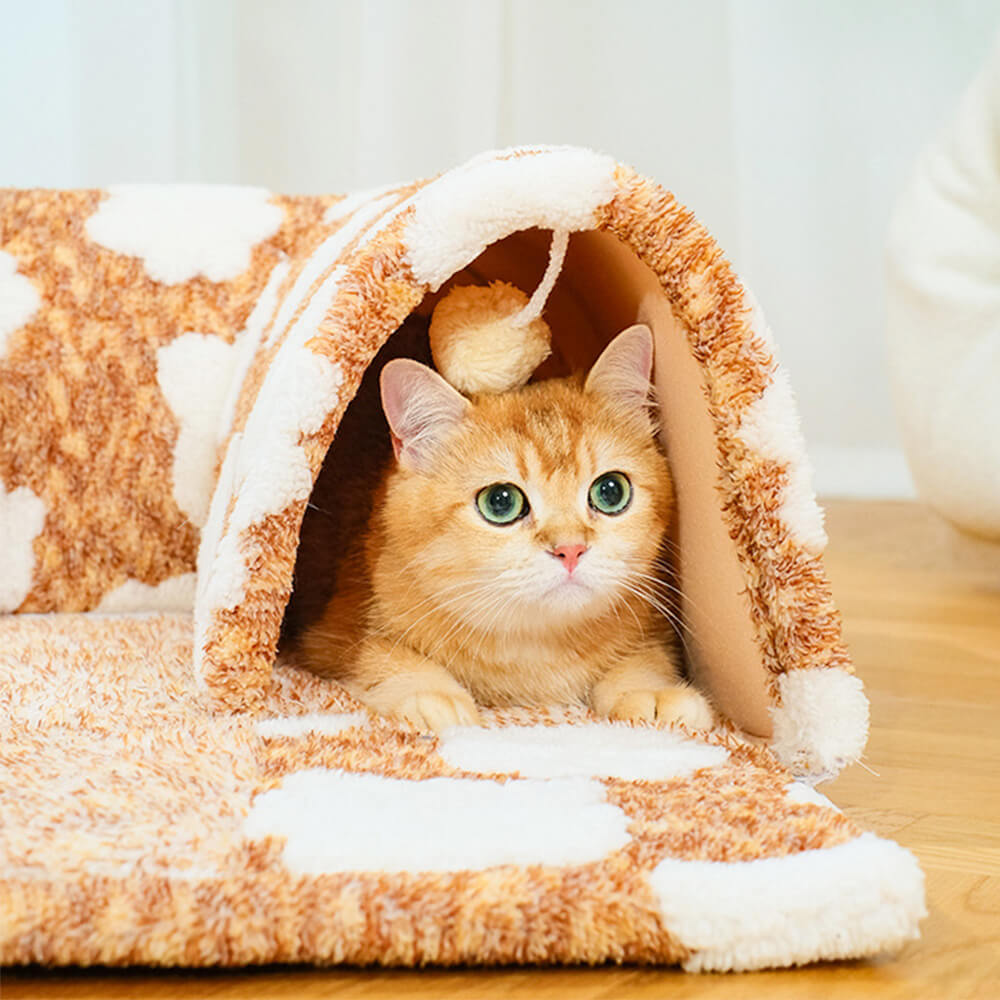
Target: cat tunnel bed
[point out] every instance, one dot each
(174, 366)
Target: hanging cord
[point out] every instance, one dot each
(557, 254)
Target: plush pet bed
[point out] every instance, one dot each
(943, 312)
(174, 366)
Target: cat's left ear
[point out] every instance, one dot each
(623, 370)
(422, 409)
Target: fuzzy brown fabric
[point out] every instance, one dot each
(124, 799)
(174, 366)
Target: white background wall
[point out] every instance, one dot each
(786, 125)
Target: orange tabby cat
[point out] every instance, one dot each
(511, 557)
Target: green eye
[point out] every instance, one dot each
(610, 493)
(502, 503)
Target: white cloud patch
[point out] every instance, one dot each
(248, 341)
(324, 723)
(770, 427)
(266, 470)
(848, 901)
(458, 215)
(220, 567)
(22, 517)
(334, 821)
(272, 471)
(800, 511)
(800, 792)
(181, 231)
(322, 261)
(174, 594)
(194, 373)
(19, 299)
(356, 200)
(593, 750)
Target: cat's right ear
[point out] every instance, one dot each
(422, 409)
(622, 372)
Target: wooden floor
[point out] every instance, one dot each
(922, 615)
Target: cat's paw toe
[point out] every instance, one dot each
(664, 706)
(686, 706)
(634, 706)
(437, 710)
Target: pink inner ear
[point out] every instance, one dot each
(421, 407)
(622, 372)
(394, 399)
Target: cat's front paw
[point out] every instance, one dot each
(437, 710)
(664, 706)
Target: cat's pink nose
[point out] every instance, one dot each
(569, 555)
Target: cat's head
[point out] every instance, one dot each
(532, 508)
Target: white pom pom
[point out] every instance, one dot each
(479, 340)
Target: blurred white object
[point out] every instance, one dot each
(944, 313)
